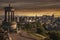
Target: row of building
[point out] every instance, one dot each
(50, 22)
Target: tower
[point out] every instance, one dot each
(9, 14)
(9, 23)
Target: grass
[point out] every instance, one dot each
(37, 36)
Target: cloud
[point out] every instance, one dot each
(29, 0)
(21, 4)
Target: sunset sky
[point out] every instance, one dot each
(32, 7)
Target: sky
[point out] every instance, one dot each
(32, 7)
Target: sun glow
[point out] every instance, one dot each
(34, 12)
(38, 13)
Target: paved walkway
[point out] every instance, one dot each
(21, 36)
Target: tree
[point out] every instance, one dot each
(53, 35)
(40, 28)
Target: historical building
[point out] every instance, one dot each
(9, 14)
(9, 22)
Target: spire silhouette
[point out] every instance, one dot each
(9, 4)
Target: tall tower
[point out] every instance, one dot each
(9, 14)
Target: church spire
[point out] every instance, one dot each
(9, 5)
